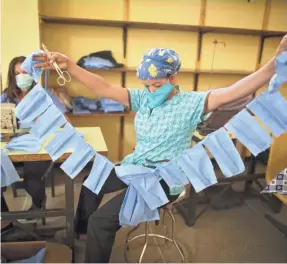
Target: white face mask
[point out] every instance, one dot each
(24, 81)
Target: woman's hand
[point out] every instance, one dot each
(47, 64)
(282, 46)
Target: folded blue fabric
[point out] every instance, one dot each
(270, 108)
(172, 175)
(197, 167)
(82, 154)
(276, 82)
(281, 73)
(249, 132)
(90, 104)
(281, 64)
(55, 100)
(33, 104)
(143, 197)
(9, 174)
(67, 138)
(223, 150)
(134, 209)
(23, 124)
(48, 123)
(28, 66)
(101, 170)
(119, 108)
(37, 258)
(83, 105)
(97, 63)
(27, 142)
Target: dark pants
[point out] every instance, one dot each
(33, 180)
(33, 183)
(104, 222)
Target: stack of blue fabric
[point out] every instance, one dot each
(108, 105)
(83, 105)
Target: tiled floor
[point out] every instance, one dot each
(240, 234)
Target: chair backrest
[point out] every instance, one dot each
(277, 161)
(8, 119)
(221, 116)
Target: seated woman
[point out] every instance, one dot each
(19, 85)
(165, 121)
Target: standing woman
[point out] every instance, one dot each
(166, 119)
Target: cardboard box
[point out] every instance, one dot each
(55, 253)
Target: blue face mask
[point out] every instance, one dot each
(159, 96)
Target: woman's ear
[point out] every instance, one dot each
(172, 79)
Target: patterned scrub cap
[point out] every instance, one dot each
(158, 63)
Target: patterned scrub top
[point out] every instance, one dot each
(167, 130)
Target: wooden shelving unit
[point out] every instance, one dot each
(196, 49)
(182, 71)
(159, 26)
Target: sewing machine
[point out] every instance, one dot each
(9, 123)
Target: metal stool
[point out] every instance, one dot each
(167, 208)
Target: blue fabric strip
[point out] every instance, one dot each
(9, 174)
(78, 159)
(223, 150)
(33, 104)
(143, 197)
(67, 138)
(101, 170)
(28, 66)
(172, 175)
(27, 142)
(244, 127)
(48, 123)
(198, 168)
(270, 108)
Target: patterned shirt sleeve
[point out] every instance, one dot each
(199, 104)
(135, 98)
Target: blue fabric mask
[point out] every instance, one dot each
(249, 132)
(28, 66)
(82, 154)
(143, 197)
(101, 170)
(23, 124)
(197, 167)
(67, 138)
(27, 142)
(48, 123)
(33, 104)
(281, 73)
(172, 175)
(9, 174)
(55, 100)
(222, 148)
(159, 96)
(270, 108)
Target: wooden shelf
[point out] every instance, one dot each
(181, 71)
(225, 72)
(160, 26)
